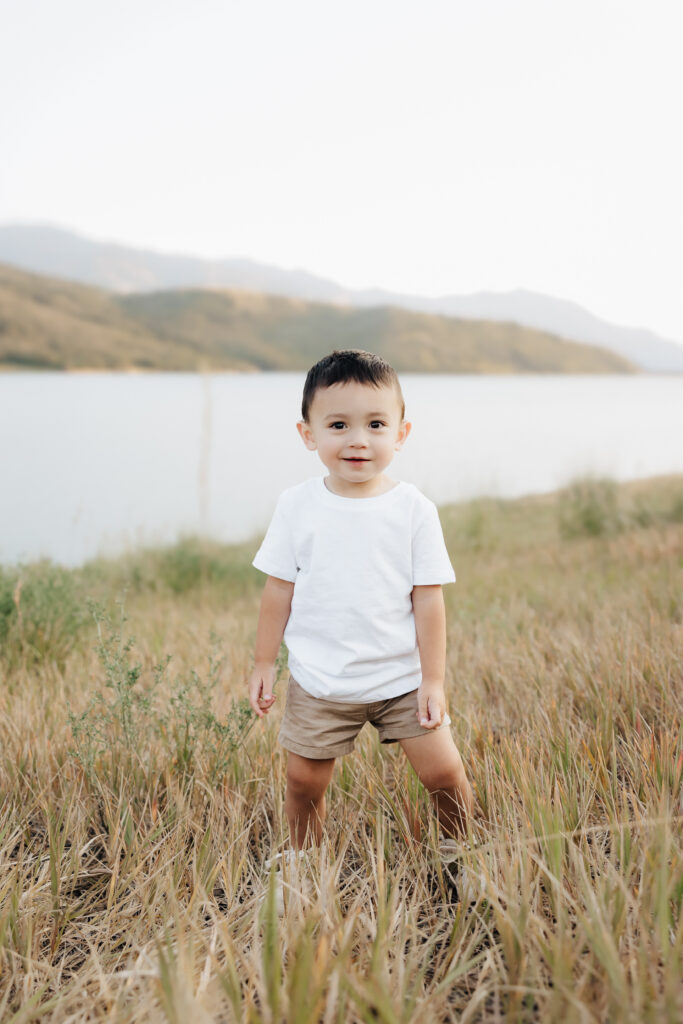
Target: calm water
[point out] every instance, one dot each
(96, 463)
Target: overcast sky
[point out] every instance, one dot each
(431, 147)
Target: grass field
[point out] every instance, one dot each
(140, 800)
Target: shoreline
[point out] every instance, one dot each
(140, 371)
(634, 489)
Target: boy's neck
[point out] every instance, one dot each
(367, 489)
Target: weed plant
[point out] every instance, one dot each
(145, 729)
(132, 877)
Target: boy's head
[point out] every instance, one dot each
(353, 416)
(351, 364)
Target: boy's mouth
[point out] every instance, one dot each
(356, 460)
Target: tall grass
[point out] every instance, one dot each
(132, 880)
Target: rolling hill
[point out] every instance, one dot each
(54, 324)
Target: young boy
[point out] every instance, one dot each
(355, 562)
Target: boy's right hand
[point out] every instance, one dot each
(261, 696)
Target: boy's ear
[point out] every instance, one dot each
(403, 432)
(306, 435)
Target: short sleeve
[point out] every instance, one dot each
(431, 563)
(276, 555)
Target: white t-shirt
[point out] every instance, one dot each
(354, 562)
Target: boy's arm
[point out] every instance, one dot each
(276, 603)
(430, 627)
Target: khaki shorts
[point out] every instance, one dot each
(319, 728)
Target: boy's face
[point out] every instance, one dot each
(356, 430)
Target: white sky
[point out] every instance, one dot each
(430, 147)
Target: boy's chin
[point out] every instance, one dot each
(358, 471)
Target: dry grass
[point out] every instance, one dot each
(138, 891)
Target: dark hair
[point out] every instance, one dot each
(345, 365)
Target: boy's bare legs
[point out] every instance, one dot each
(439, 767)
(307, 780)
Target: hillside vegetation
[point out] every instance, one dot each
(46, 323)
(140, 800)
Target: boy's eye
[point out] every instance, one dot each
(339, 424)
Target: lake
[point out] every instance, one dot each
(98, 463)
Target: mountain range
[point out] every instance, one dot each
(120, 269)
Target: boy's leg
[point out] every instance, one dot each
(307, 780)
(439, 767)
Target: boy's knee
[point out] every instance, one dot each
(307, 779)
(444, 777)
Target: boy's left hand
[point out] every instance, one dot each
(431, 705)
